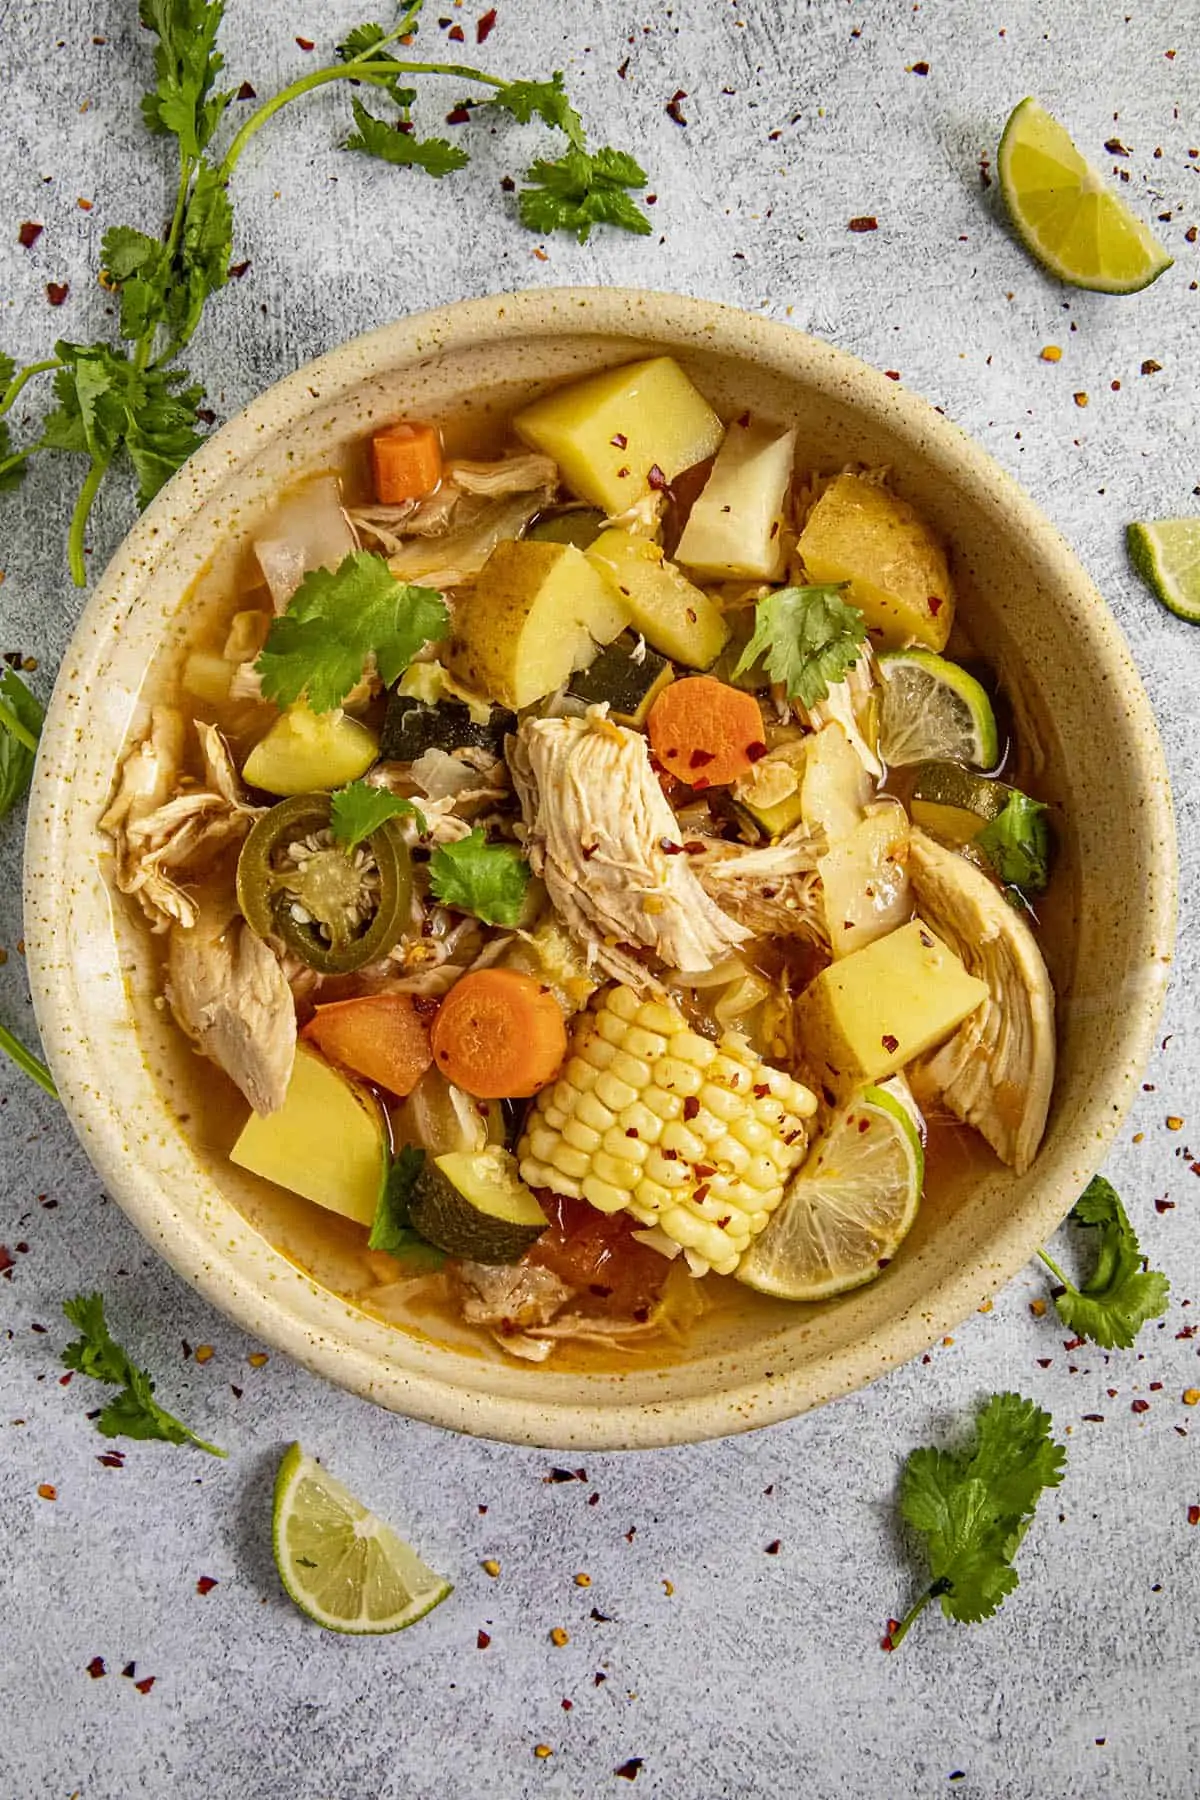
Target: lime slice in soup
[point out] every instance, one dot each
(931, 709)
(846, 1212)
(1166, 554)
(1065, 213)
(340, 1564)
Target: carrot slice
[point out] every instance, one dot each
(408, 463)
(704, 732)
(380, 1036)
(499, 1035)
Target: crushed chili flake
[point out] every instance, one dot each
(236, 271)
(618, 440)
(129, 1671)
(458, 115)
(773, 1548)
(891, 1044)
(508, 184)
(7, 1263)
(485, 26)
(1080, 399)
(146, 1683)
(691, 1107)
(1139, 1406)
(482, 1640)
(657, 479)
(205, 1584)
(865, 222)
(601, 1618)
(112, 1459)
(96, 1668)
(246, 92)
(1094, 1418)
(48, 1491)
(457, 35)
(1191, 234)
(556, 1474)
(756, 751)
(628, 1770)
(1164, 1205)
(1075, 1343)
(57, 291)
(1115, 147)
(700, 759)
(672, 108)
(1193, 1515)
(29, 234)
(921, 68)
(1150, 367)
(306, 43)
(892, 374)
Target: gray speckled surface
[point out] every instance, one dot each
(730, 1672)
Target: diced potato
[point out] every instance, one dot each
(836, 787)
(607, 432)
(864, 880)
(206, 677)
(310, 753)
(536, 613)
(877, 1010)
(735, 527)
(860, 533)
(671, 614)
(328, 1141)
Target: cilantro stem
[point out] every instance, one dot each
(27, 1062)
(16, 459)
(9, 722)
(18, 382)
(1054, 1269)
(79, 519)
(914, 1612)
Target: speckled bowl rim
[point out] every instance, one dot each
(295, 1318)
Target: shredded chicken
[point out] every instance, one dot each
(770, 891)
(513, 1295)
(643, 519)
(156, 837)
(596, 823)
(477, 506)
(230, 995)
(843, 703)
(522, 474)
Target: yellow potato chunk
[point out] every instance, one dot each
(870, 1014)
(607, 432)
(672, 615)
(328, 1141)
(310, 753)
(536, 613)
(861, 533)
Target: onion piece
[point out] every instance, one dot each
(307, 531)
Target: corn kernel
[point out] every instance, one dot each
(540, 1143)
(615, 1093)
(639, 1118)
(591, 1110)
(599, 1053)
(649, 1044)
(750, 1133)
(670, 1173)
(611, 1029)
(677, 1137)
(633, 1069)
(667, 1106)
(653, 1016)
(677, 1077)
(580, 1136)
(623, 1002)
(600, 1195)
(617, 1143)
(694, 1049)
(570, 1162)
(720, 1101)
(621, 1171)
(652, 1197)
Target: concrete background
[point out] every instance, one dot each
(729, 1671)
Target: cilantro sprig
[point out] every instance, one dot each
(1017, 844)
(806, 638)
(133, 1412)
(972, 1510)
(474, 876)
(360, 809)
(1121, 1294)
(392, 1228)
(336, 621)
(128, 402)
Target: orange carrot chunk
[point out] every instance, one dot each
(380, 1036)
(408, 463)
(499, 1035)
(705, 733)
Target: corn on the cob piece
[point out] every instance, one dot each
(696, 1138)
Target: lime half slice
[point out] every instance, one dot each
(846, 1212)
(1166, 554)
(1065, 213)
(340, 1564)
(932, 710)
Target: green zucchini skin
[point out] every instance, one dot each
(474, 1207)
(630, 687)
(411, 727)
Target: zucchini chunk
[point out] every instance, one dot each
(475, 1206)
(411, 727)
(630, 677)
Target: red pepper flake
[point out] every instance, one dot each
(205, 1584)
(508, 185)
(921, 68)
(558, 1475)
(1139, 1406)
(756, 751)
(96, 1668)
(29, 234)
(1164, 1205)
(621, 474)
(1191, 234)
(628, 1770)
(1094, 1418)
(485, 26)
(657, 479)
(1115, 147)
(235, 273)
(456, 36)
(1150, 367)
(700, 759)
(7, 1264)
(773, 1548)
(691, 1107)
(57, 291)
(865, 222)
(672, 110)
(306, 43)
(112, 1459)
(701, 1194)
(891, 1044)
(147, 1682)
(129, 1671)
(761, 1089)
(694, 847)
(540, 254)
(1193, 1515)
(892, 374)
(246, 92)
(85, 205)
(48, 1491)
(601, 1618)
(482, 1640)
(618, 440)
(1075, 1343)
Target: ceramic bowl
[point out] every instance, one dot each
(1082, 713)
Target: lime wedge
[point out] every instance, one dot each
(340, 1564)
(1166, 554)
(848, 1209)
(1065, 214)
(932, 710)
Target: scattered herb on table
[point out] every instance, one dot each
(133, 1412)
(973, 1510)
(359, 809)
(21, 715)
(807, 638)
(474, 876)
(132, 400)
(1121, 1294)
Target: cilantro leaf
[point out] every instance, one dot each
(134, 1412)
(391, 144)
(582, 189)
(186, 65)
(160, 429)
(1017, 844)
(973, 1511)
(359, 45)
(11, 477)
(359, 809)
(807, 638)
(140, 268)
(336, 620)
(474, 876)
(392, 1228)
(17, 705)
(546, 100)
(8, 369)
(1121, 1295)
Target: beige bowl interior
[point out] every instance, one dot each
(128, 1084)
